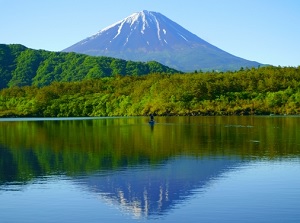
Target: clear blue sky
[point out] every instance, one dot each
(267, 31)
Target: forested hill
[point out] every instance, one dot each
(21, 66)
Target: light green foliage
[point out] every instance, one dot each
(247, 92)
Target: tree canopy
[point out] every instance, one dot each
(267, 90)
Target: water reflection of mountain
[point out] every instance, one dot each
(151, 191)
(33, 148)
(145, 171)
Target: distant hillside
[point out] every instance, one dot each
(21, 66)
(146, 35)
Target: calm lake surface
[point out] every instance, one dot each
(182, 169)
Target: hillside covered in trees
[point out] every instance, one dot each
(21, 66)
(262, 91)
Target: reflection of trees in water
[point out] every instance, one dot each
(72, 147)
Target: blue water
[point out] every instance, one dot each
(207, 170)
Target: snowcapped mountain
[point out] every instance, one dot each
(145, 36)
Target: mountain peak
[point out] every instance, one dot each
(147, 35)
(144, 30)
(135, 17)
(138, 24)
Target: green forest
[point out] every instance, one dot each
(21, 66)
(263, 91)
(37, 83)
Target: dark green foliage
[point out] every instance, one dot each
(20, 66)
(6, 64)
(26, 65)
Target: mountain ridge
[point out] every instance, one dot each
(22, 66)
(147, 35)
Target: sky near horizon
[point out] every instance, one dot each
(266, 31)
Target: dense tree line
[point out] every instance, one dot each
(266, 90)
(20, 66)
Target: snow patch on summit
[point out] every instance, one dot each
(144, 22)
(158, 28)
(138, 20)
(119, 30)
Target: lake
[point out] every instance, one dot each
(181, 169)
